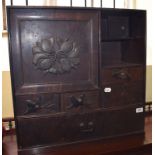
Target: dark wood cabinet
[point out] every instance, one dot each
(78, 74)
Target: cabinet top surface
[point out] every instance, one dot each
(72, 8)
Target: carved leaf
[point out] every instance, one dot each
(65, 64)
(46, 45)
(67, 46)
(75, 61)
(52, 70)
(52, 41)
(73, 53)
(38, 56)
(61, 54)
(45, 64)
(58, 67)
(59, 42)
(36, 49)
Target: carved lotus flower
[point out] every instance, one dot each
(55, 55)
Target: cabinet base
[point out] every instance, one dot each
(95, 146)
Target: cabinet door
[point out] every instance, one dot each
(53, 50)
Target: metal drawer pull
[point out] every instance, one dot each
(76, 102)
(81, 124)
(122, 27)
(90, 123)
(124, 75)
(37, 104)
(87, 130)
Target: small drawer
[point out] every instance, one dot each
(80, 101)
(122, 74)
(122, 94)
(37, 104)
(118, 27)
(60, 130)
(124, 121)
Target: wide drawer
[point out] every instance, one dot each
(122, 74)
(57, 130)
(37, 104)
(65, 129)
(80, 101)
(123, 94)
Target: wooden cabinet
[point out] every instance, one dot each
(77, 74)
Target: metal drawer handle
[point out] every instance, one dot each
(87, 130)
(122, 27)
(90, 123)
(76, 102)
(121, 75)
(33, 106)
(82, 124)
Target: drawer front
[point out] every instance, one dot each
(80, 101)
(126, 74)
(39, 104)
(67, 129)
(59, 130)
(122, 94)
(118, 27)
(124, 121)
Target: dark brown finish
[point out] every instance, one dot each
(37, 104)
(122, 74)
(122, 94)
(128, 145)
(118, 27)
(78, 75)
(44, 26)
(56, 55)
(80, 101)
(78, 127)
(60, 129)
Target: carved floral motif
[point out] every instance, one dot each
(56, 55)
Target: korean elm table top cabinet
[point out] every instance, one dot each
(78, 74)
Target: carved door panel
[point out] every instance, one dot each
(53, 50)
